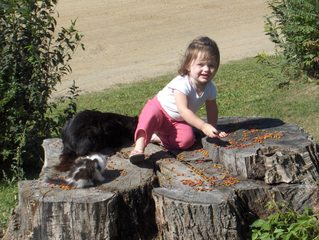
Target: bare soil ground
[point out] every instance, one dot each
(130, 40)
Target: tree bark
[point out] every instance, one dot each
(120, 208)
(213, 191)
(266, 149)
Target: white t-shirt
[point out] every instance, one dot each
(182, 84)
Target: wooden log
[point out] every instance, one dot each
(202, 200)
(197, 215)
(212, 191)
(120, 208)
(50, 213)
(266, 149)
(217, 191)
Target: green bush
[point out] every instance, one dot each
(293, 27)
(33, 58)
(286, 224)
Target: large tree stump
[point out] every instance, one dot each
(266, 149)
(216, 192)
(213, 191)
(120, 208)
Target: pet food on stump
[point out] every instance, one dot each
(217, 190)
(213, 191)
(265, 149)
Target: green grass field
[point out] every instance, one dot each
(245, 88)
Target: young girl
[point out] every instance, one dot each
(168, 118)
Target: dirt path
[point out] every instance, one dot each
(129, 40)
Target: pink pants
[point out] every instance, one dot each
(173, 134)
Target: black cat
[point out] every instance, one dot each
(90, 132)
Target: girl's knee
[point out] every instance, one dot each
(186, 142)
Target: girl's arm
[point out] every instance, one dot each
(212, 112)
(212, 116)
(190, 117)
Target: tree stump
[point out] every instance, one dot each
(266, 149)
(120, 208)
(217, 191)
(213, 191)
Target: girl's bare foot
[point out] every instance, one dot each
(155, 139)
(137, 156)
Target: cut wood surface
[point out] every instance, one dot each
(213, 191)
(120, 208)
(266, 149)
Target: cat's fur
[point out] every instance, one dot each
(87, 171)
(92, 131)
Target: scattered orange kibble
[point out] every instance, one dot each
(249, 137)
(66, 187)
(199, 161)
(217, 166)
(230, 181)
(192, 183)
(203, 151)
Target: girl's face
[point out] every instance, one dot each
(202, 70)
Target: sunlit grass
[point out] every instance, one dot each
(8, 200)
(124, 99)
(245, 88)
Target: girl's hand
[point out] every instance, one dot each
(223, 134)
(210, 131)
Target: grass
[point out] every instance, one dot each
(124, 99)
(245, 88)
(8, 200)
(249, 88)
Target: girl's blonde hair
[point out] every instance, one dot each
(200, 45)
